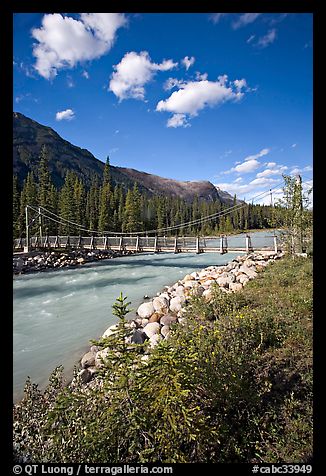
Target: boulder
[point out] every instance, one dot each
(160, 304)
(110, 330)
(101, 355)
(145, 310)
(179, 290)
(85, 376)
(176, 304)
(188, 277)
(138, 337)
(165, 331)
(88, 360)
(167, 320)
(155, 339)
(243, 279)
(94, 349)
(155, 317)
(208, 294)
(166, 296)
(152, 328)
(250, 272)
(235, 287)
(223, 282)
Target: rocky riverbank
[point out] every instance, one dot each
(156, 316)
(44, 260)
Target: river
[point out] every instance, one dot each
(57, 312)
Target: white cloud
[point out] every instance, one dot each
(66, 115)
(272, 170)
(293, 145)
(171, 83)
(193, 96)
(133, 72)
(178, 120)
(240, 83)
(64, 41)
(245, 19)
(187, 62)
(247, 166)
(256, 156)
(85, 74)
(268, 39)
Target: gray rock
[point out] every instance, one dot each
(167, 320)
(88, 360)
(85, 376)
(145, 310)
(152, 328)
(138, 337)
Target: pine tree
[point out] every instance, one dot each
(105, 199)
(44, 181)
(28, 196)
(15, 207)
(67, 206)
(132, 213)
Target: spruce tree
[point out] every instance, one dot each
(28, 196)
(15, 207)
(105, 199)
(67, 206)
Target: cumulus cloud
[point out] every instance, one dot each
(246, 167)
(257, 156)
(66, 115)
(178, 120)
(245, 19)
(240, 84)
(187, 62)
(193, 96)
(171, 83)
(267, 39)
(64, 41)
(133, 72)
(272, 171)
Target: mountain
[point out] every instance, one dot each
(29, 136)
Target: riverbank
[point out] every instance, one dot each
(157, 315)
(231, 384)
(37, 261)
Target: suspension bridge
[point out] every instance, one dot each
(155, 244)
(142, 241)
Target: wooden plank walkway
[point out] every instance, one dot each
(140, 244)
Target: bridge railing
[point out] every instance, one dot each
(245, 242)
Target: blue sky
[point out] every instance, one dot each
(219, 97)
